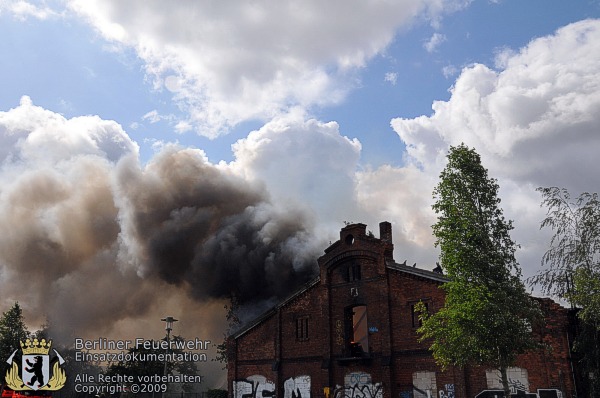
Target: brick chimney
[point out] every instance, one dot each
(385, 232)
(385, 235)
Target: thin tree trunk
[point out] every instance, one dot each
(505, 385)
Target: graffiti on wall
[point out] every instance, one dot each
(516, 386)
(257, 386)
(518, 380)
(447, 392)
(424, 385)
(358, 385)
(297, 387)
(357, 378)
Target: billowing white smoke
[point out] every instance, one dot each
(99, 244)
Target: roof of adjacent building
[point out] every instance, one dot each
(435, 276)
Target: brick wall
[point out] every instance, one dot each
(406, 291)
(305, 340)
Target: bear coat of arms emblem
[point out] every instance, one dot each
(35, 368)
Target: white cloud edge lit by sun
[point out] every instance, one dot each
(223, 74)
(22, 10)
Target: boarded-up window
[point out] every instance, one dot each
(424, 385)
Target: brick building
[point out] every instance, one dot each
(351, 333)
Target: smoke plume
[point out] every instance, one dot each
(102, 245)
(193, 225)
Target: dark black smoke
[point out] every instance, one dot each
(214, 233)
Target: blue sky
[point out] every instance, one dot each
(66, 66)
(123, 124)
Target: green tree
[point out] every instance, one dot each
(12, 332)
(573, 266)
(488, 315)
(233, 323)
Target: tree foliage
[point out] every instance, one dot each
(488, 315)
(12, 332)
(573, 258)
(233, 323)
(573, 266)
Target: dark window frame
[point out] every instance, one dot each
(352, 349)
(352, 272)
(302, 328)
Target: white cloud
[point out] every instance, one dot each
(303, 162)
(535, 123)
(152, 116)
(403, 197)
(30, 133)
(56, 194)
(449, 71)
(66, 105)
(22, 10)
(229, 62)
(183, 126)
(434, 42)
(312, 165)
(391, 77)
(546, 99)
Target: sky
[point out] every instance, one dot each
(146, 145)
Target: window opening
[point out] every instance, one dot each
(358, 330)
(349, 239)
(353, 272)
(302, 328)
(416, 322)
